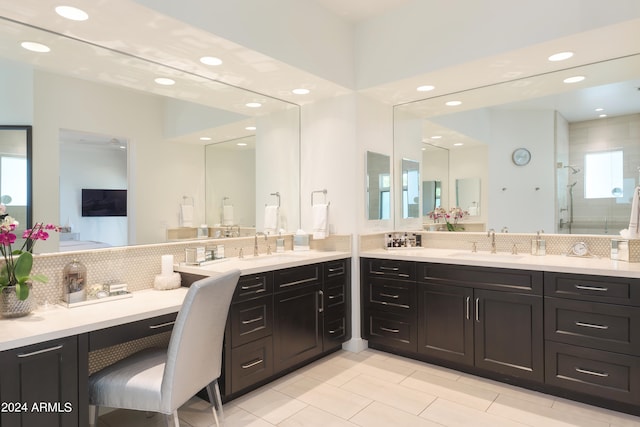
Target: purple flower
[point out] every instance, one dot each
(7, 239)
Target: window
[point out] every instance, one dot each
(13, 179)
(603, 175)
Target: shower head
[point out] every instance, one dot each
(574, 170)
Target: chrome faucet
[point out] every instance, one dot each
(492, 233)
(255, 244)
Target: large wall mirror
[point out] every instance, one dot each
(582, 139)
(15, 175)
(91, 98)
(378, 185)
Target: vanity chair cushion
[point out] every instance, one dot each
(162, 380)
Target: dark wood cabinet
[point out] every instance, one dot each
(336, 304)
(39, 385)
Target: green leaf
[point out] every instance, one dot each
(23, 265)
(39, 278)
(22, 291)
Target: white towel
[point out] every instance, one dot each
(186, 215)
(227, 215)
(320, 221)
(634, 220)
(270, 219)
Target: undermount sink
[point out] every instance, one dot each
(486, 256)
(270, 258)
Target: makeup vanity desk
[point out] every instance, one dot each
(44, 357)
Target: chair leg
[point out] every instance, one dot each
(172, 420)
(216, 401)
(93, 415)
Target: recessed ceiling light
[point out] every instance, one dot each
(458, 144)
(425, 88)
(242, 144)
(253, 104)
(205, 138)
(211, 60)
(561, 56)
(35, 47)
(250, 128)
(602, 115)
(453, 103)
(599, 109)
(436, 137)
(574, 79)
(72, 13)
(164, 81)
(301, 91)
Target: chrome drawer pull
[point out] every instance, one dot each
(478, 310)
(389, 268)
(591, 325)
(390, 296)
(336, 330)
(594, 373)
(468, 300)
(252, 364)
(162, 325)
(395, 331)
(44, 350)
(257, 319)
(246, 288)
(591, 288)
(333, 270)
(335, 296)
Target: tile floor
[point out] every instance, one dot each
(373, 389)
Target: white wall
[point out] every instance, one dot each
(160, 173)
(470, 162)
(16, 93)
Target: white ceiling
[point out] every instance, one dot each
(360, 10)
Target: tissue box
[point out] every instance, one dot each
(619, 250)
(301, 242)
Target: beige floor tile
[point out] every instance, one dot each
(397, 396)
(427, 367)
(508, 389)
(326, 397)
(453, 414)
(241, 418)
(380, 415)
(469, 395)
(617, 419)
(270, 405)
(384, 368)
(198, 412)
(126, 418)
(536, 415)
(335, 371)
(314, 417)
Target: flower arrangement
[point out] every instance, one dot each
(16, 270)
(451, 217)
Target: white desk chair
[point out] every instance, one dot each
(162, 380)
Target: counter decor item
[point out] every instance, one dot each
(15, 274)
(167, 279)
(74, 282)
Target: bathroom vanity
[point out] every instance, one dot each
(566, 326)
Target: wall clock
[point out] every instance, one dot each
(521, 156)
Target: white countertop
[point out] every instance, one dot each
(58, 321)
(252, 265)
(555, 263)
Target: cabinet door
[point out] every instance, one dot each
(297, 326)
(445, 324)
(508, 334)
(42, 379)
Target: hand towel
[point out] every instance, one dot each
(634, 220)
(186, 215)
(270, 219)
(320, 221)
(227, 215)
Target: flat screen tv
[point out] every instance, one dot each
(103, 202)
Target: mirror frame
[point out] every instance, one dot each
(29, 156)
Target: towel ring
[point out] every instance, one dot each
(319, 191)
(185, 198)
(224, 199)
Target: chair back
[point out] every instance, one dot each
(194, 356)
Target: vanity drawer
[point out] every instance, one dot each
(131, 331)
(595, 372)
(335, 269)
(253, 285)
(297, 276)
(335, 294)
(596, 325)
(502, 279)
(402, 270)
(251, 363)
(251, 320)
(390, 294)
(617, 290)
(396, 331)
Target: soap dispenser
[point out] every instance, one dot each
(538, 245)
